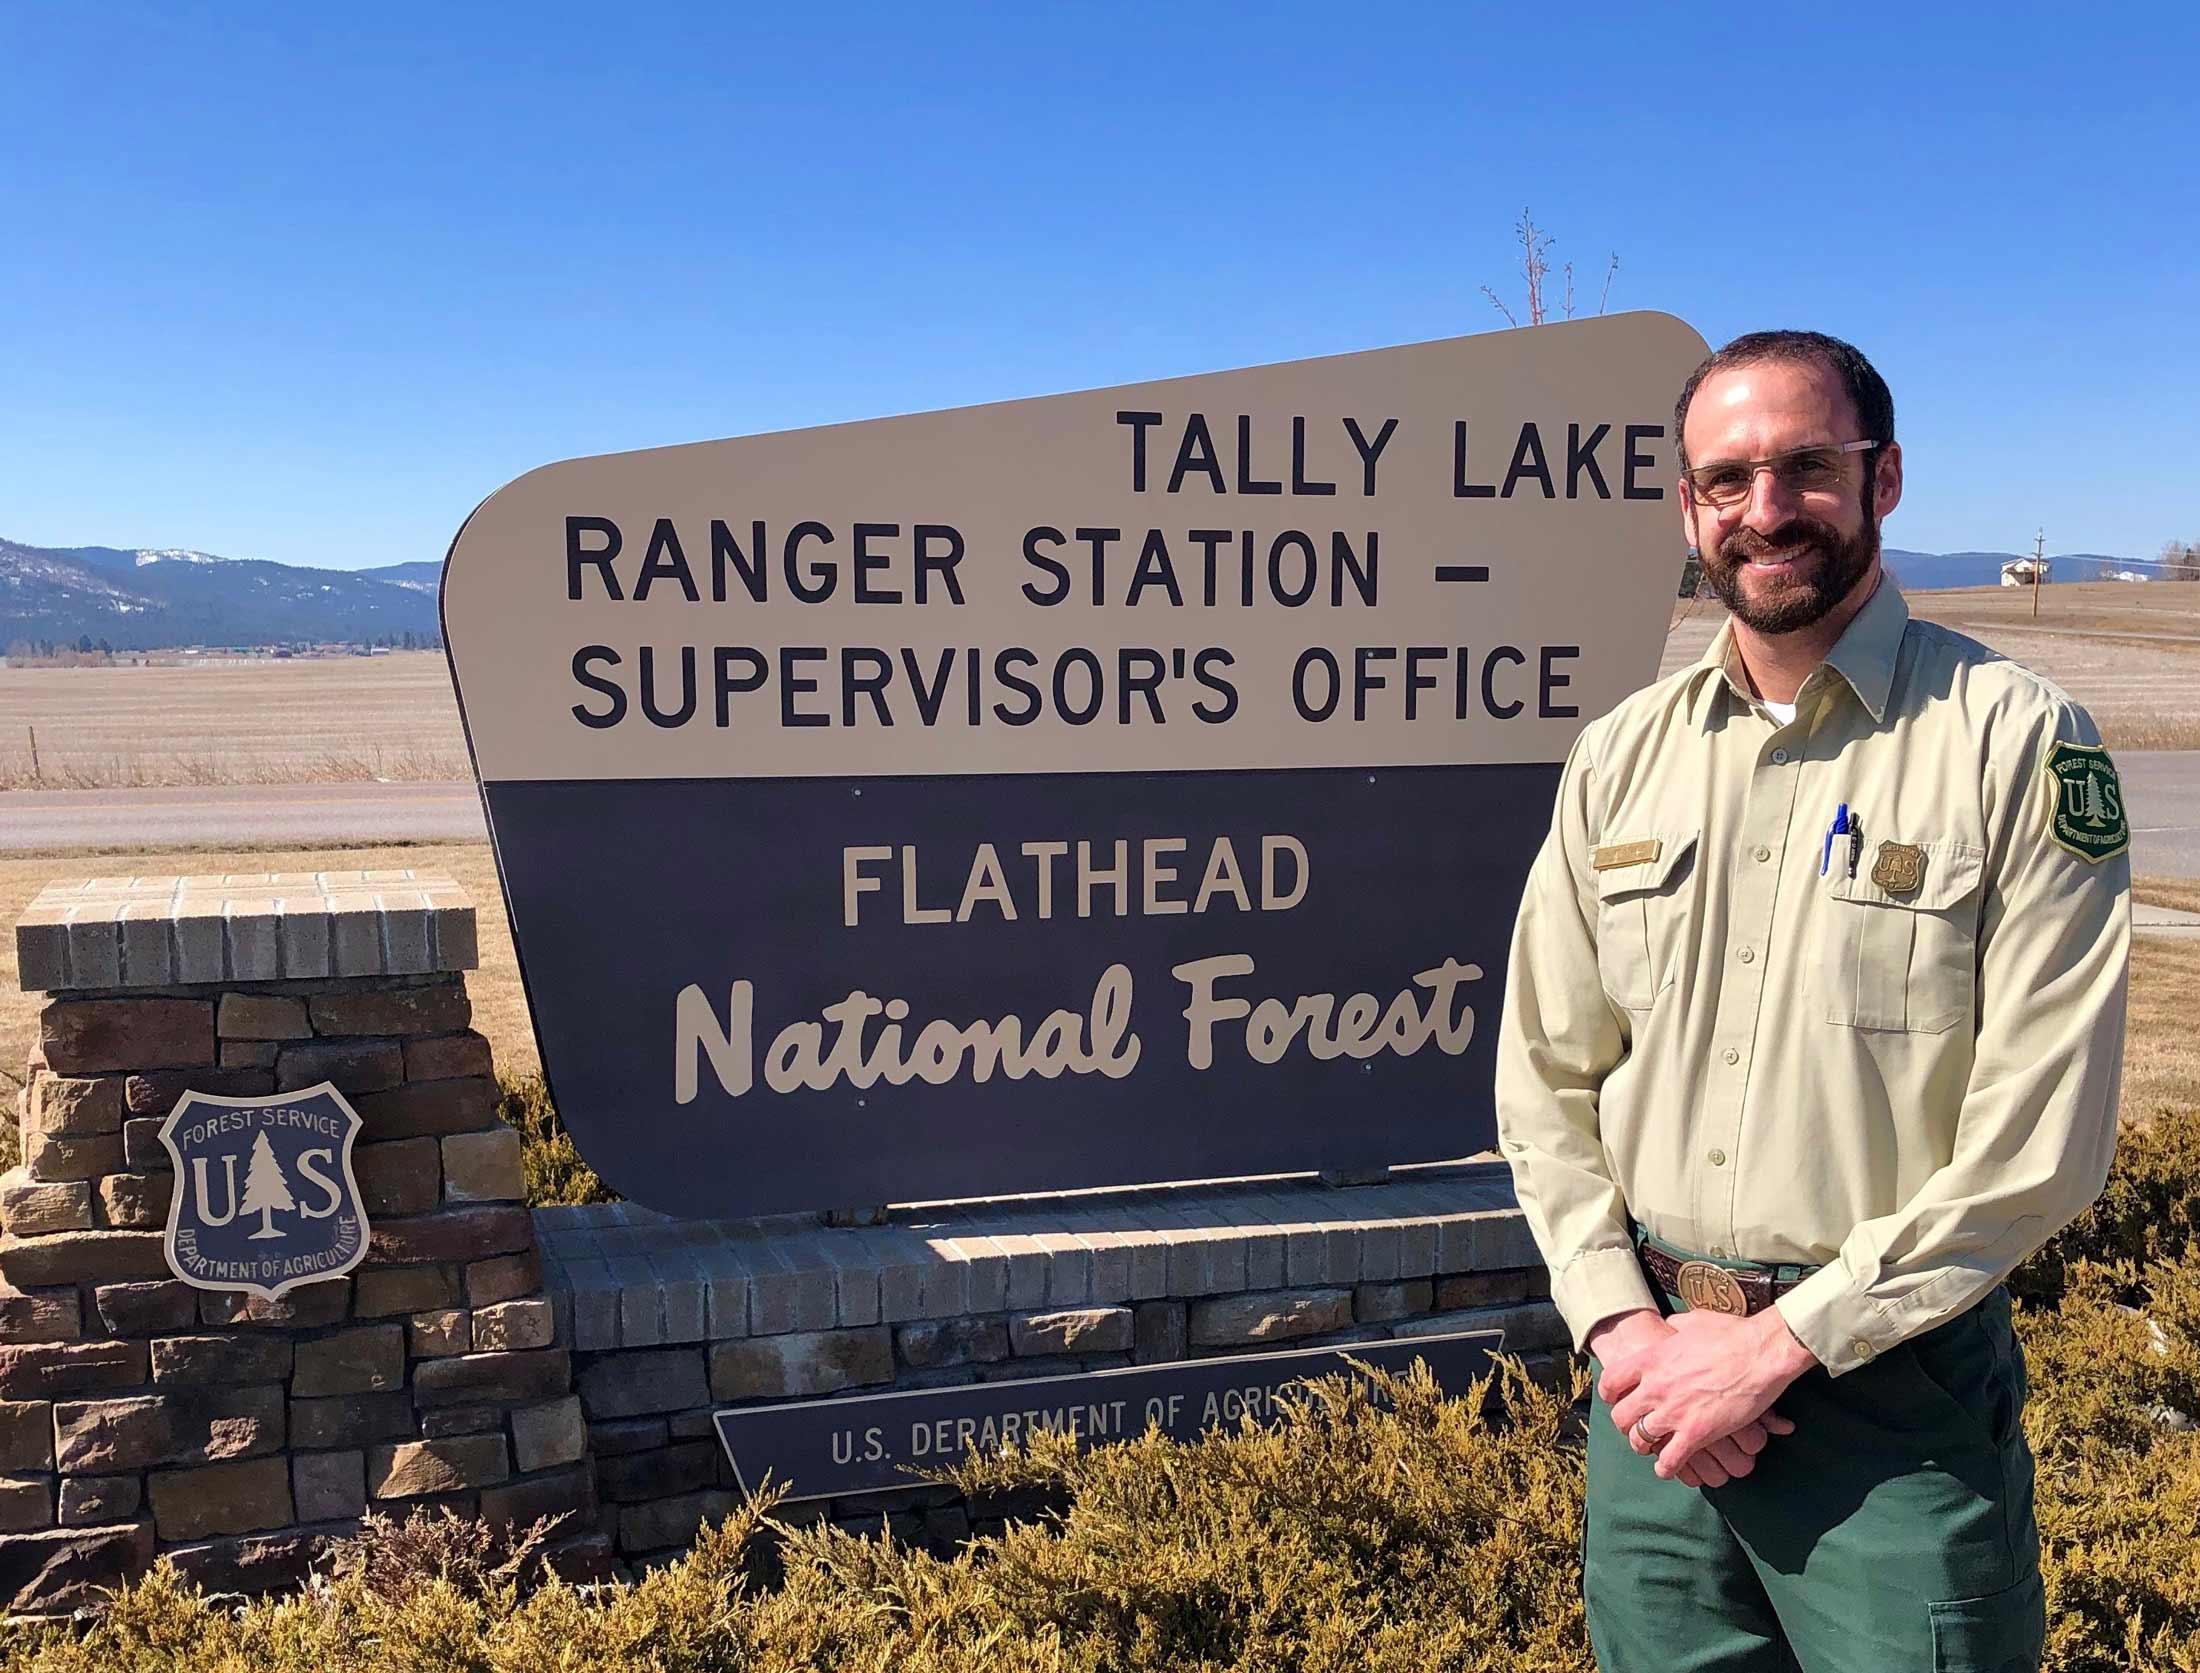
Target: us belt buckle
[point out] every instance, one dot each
(1711, 1289)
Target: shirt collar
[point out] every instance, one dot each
(1871, 645)
(1865, 656)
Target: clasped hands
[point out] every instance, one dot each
(1702, 1384)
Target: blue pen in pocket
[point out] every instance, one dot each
(1839, 827)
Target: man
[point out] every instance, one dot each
(1813, 1032)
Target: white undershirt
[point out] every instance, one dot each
(1784, 713)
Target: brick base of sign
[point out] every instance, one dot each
(141, 1417)
(564, 1362)
(670, 1321)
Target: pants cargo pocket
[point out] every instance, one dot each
(2003, 1632)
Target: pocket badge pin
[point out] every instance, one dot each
(1900, 867)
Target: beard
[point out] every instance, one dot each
(1792, 601)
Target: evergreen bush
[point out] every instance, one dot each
(1433, 1534)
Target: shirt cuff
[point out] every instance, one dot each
(1595, 1285)
(1841, 1326)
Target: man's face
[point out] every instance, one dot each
(1779, 559)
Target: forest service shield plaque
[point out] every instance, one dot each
(265, 1197)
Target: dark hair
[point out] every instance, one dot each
(1868, 391)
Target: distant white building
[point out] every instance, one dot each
(2027, 572)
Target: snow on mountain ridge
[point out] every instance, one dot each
(151, 597)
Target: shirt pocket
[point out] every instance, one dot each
(1905, 962)
(1641, 916)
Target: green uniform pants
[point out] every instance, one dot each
(1891, 1532)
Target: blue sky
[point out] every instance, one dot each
(307, 282)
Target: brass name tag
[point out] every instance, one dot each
(1615, 855)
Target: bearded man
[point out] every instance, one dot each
(1813, 1032)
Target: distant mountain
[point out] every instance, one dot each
(421, 577)
(1933, 571)
(154, 599)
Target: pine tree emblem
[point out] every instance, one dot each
(2093, 814)
(265, 1188)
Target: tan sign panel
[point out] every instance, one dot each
(1226, 571)
(1127, 785)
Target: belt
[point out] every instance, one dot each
(1711, 1288)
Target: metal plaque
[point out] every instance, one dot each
(265, 1198)
(862, 1443)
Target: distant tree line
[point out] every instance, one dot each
(2180, 560)
(84, 650)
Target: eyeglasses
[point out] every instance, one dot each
(1808, 470)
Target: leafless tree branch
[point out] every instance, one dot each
(1535, 266)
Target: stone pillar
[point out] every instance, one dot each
(140, 1416)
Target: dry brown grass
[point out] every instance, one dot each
(2162, 1058)
(2161, 1064)
(2182, 893)
(263, 722)
(2130, 654)
(2161, 1054)
(2106, 608)
(142, 770)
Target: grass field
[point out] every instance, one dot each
(2130, 654)
(260, 722)
(2162, 1062)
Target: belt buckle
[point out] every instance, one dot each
(1711, 1289)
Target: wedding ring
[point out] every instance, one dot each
(1642, 1432)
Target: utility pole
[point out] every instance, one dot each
(2039, 570)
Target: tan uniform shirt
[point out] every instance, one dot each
(1911, 1082)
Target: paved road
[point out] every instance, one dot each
(2164, 920)
(248, 815)
(2163, 789)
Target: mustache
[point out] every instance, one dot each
(1806, 533)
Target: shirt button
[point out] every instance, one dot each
(1761, 853)
(1718, 1158)
(1731, 1055)
(1863, 1348)
(1748, 955)
(1779, 757)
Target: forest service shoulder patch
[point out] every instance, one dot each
(2089, 802)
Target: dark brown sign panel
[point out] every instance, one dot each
(857, 1443)
(1088, 790)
